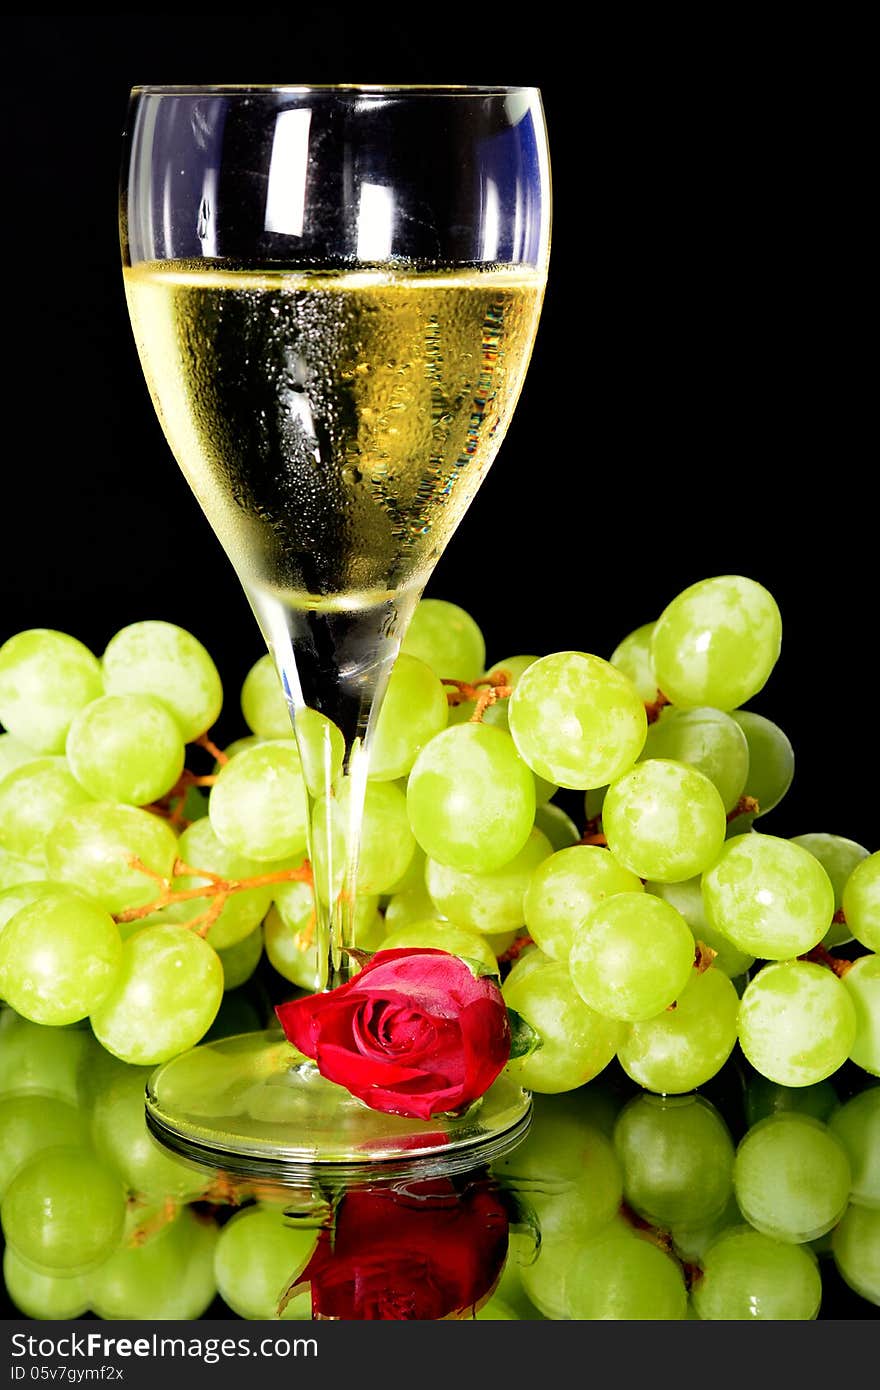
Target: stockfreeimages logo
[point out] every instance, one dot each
(94, 1346)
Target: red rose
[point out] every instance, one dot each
(414, 1033)
(432, 1251)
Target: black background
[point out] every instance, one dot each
(698, 399)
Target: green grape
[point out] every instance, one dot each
(33, 798)
(165, 997)
(194, 805)
(99, 849)
(765, 1098)
(529, 959)
(748, 1275)
(241, 960)
(45, 678)
(237, 746)
(717, 642)
(771, 759)
(791, 1177)
(618, 1275)
(413, 905)
(199, 847)
(708, 740)
(559, 827)
(413, 710)
(543, 790)
(169, 1278)
(263, 702)
(769, 896)
(862, 984)
(576, 720)
(443, 936)
(258, 1257)
(687, 898)
(386, 840)
(594, 802)
(470, 798)
(633, 657)
(46, 1297)
(59, 958)
(13, 753)
(294, 955)
(857, 1127)
(566, 1171)
(520, 1252)
(289, 932)
(156, 658)
(797, 1023)
(414, 876)
(542, 1275)
(500, 943)
(321, 749)
(29, 1124)
(64, 1211)
(121, 1139)
(513, 666)
(295, 904)
(488, 902)
(22, 895)
(691, 1242)
(36, 1060)
(838, 857)
(664, 821)
(686, 1046)
(14, 871)
(861, 902)
(855, 1245)
(632, 958)
(126, 748)
(677, 1159)
(576, 1042)
(496, 1310)
(563, 891)
(258, 804)
(447, 639)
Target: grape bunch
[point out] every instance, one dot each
(663, 1208)
(758, 1202)
(662, 929)
(97, 1216)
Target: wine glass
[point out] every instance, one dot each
(334, 293)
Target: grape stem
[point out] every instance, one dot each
(217, 888)
(820, 956)
(746, 806)
(484, 692)
(664, 1241)
(515, 950)
(151, 1224)
(654, 707)
(206, 742)
(593, 833)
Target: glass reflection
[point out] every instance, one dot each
(748, 1200)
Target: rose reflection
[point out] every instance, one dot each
(750, 1200)
(434, 1249)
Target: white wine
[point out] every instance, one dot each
(333, 424)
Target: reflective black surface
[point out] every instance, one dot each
(606, 1209)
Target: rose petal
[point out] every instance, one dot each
(414, 1033)
(382, 1029)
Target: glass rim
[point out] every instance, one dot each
(365, 88)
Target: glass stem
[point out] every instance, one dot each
(334, 666)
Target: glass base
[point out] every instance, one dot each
(254, 1106)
